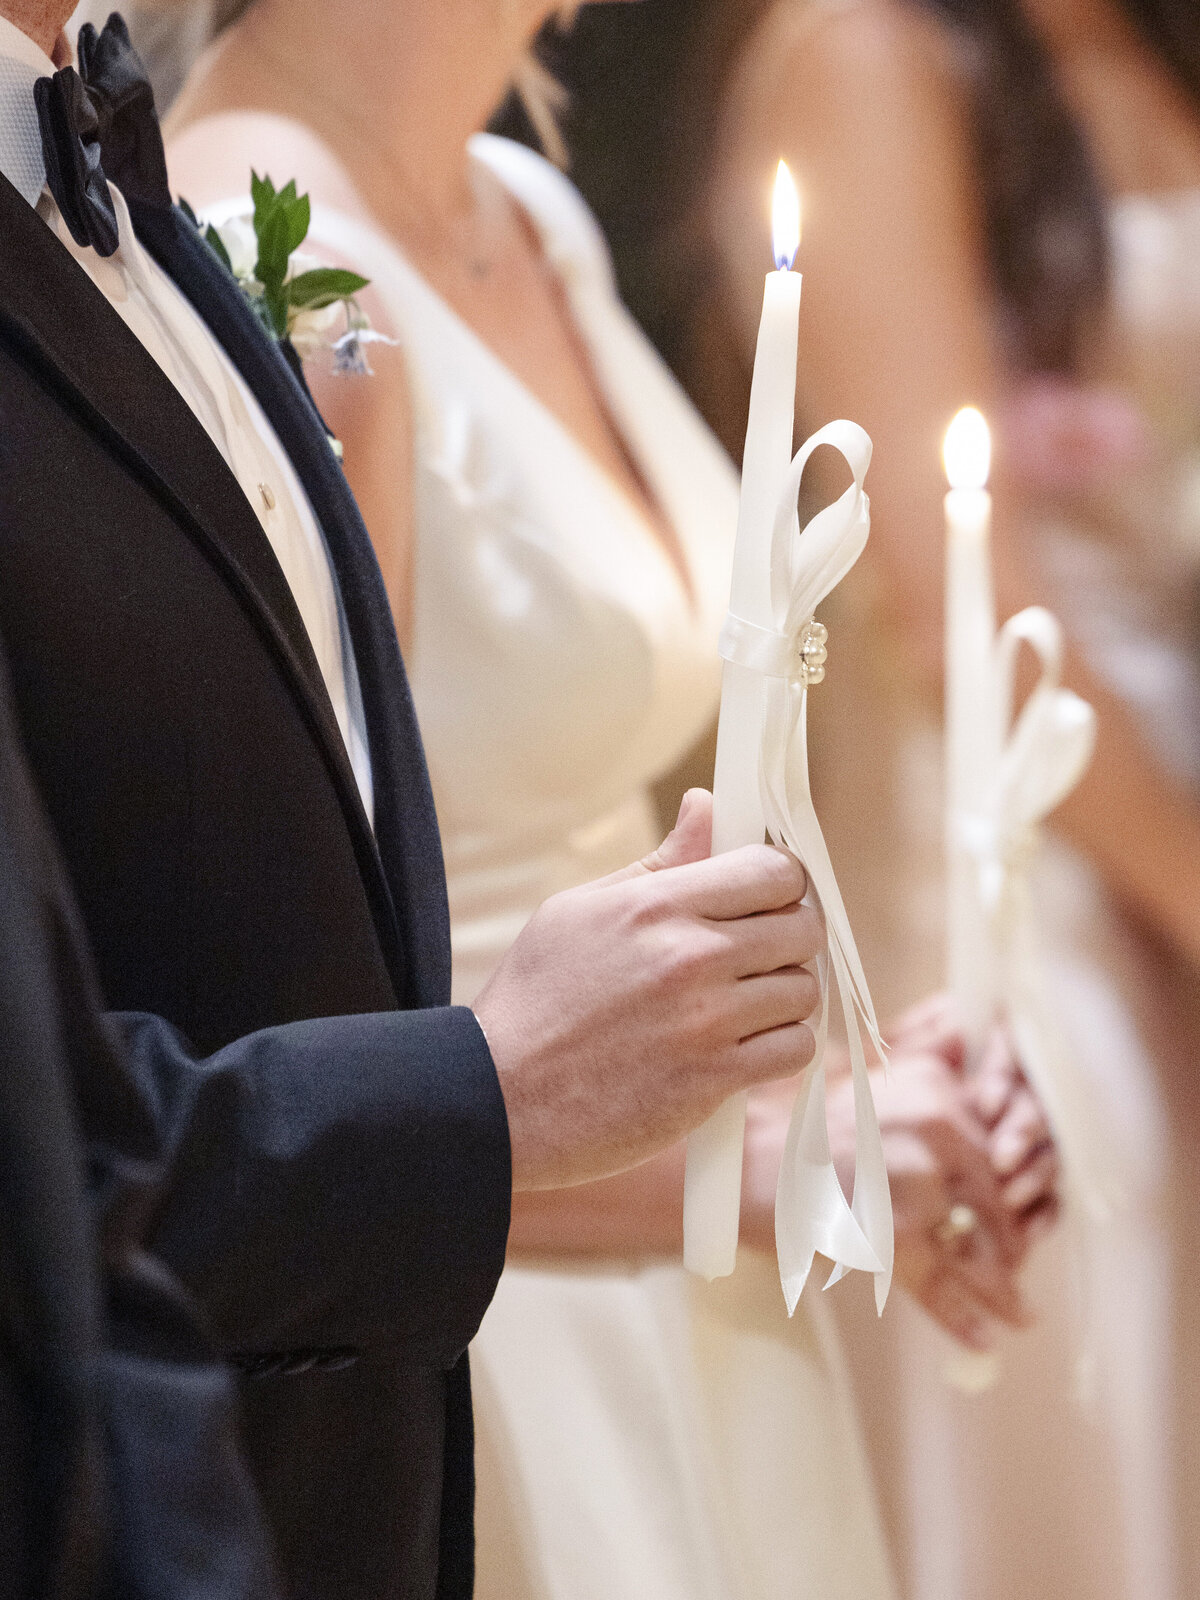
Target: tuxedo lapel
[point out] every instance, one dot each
(405, 820)
(59, 324)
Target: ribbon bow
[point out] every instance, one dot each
(99, 126)
(1043, 755)
(811, 1212)
(1050, 745)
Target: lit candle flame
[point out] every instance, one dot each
(967, 452)
(785, 218)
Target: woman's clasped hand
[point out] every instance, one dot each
(973, 1167)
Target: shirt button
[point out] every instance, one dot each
(268, 495)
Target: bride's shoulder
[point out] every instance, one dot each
(855, 47)
(210, 160)
(874, 34)
(842, 76)
(570, 232)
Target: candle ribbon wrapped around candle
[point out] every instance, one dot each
(812, 1215)
(1043, 755)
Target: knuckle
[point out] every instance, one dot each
(691, 954)
(780, 872)
(647, 903)
(783, 1052)
(706, 1022)
(670, 963)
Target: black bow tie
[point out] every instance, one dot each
(99, 125)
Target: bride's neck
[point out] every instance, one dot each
(395, 88)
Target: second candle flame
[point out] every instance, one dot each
(785, 219)
(967, 452)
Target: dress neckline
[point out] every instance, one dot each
(481, 148)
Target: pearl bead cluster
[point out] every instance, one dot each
(812, 654)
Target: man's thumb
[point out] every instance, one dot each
(691, 837)
(689, 840)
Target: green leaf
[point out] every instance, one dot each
(262, 192)
(312, 291)
(299, 215)
(276, 301)
(281, 222)
(189, 213)
(217, 245)
(273, 249)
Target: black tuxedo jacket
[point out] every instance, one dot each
(119, 1477)
(338, 1142)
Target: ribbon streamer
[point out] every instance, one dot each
(812, 1215)
(1044, 754)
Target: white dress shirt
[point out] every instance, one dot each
(159, 315)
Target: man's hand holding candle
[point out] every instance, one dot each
(629, 1009)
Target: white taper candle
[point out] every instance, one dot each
(712, 1189)
(972, 728)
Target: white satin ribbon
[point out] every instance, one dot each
(812, 1215)
(1044, 754)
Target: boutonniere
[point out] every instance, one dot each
(298, 300)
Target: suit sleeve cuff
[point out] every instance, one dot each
(343, 1182)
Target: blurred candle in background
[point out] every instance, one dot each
(712, 1191)
(972, 751)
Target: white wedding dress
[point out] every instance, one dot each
(642, 1436)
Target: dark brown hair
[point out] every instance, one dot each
(1043, 205)
(227, 12)
(647, 88)
(1043, 209)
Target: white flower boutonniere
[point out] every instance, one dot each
(298, 300)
